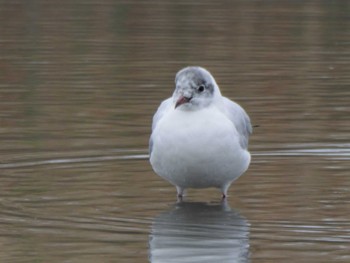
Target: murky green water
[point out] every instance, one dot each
(79, 83)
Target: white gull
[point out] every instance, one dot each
(199, 138)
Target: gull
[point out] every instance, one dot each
(199, 137)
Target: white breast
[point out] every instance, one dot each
(197, 149)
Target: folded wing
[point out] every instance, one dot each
(240, 119)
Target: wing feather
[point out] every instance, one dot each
(240, 119)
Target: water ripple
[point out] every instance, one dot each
(340, 152)
(73, 160)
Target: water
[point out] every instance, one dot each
(79, 83)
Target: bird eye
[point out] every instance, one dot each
(201, 88)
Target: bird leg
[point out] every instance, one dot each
(180, 192)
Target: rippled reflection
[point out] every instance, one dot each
(199, 232)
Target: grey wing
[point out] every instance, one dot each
(163, 107)
(240, 119)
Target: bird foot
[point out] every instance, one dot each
(179, 198)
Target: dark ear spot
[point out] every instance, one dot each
(210, 87)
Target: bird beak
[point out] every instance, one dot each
(182, 100)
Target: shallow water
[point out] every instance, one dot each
(79, 83)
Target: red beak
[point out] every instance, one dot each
(181, 101)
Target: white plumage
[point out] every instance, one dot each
(199, 138)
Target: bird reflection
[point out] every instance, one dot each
(199, 232)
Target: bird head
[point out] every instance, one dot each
(195, 88)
